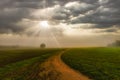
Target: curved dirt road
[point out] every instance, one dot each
(55, 69)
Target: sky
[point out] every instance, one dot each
(59, 23)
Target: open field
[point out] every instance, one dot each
(8, 56)
(23, 64)
(46, 64)
(96, 63)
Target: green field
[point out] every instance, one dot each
(23, 64)
(96, 63)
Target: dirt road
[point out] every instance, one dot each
(55, 69)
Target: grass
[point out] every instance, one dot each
(11, 56)
(23, 64)
(97, 63)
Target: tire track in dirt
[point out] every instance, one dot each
(55, 69)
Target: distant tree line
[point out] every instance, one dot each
(115, 44)
(9, 46)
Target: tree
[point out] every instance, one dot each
(117, 43)
(42, 45)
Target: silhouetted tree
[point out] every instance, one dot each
(115, 44)
(42, 45)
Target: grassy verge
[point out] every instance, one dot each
(23, 64)
(97, 63)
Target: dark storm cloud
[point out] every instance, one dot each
(20, 4)
(102, 13)
(12, 12)
(106, 14)
(112, 4)
(73, 9)
(9, 18)
(31, 3)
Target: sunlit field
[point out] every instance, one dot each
(96, 63)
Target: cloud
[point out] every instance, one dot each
(71, 22)
(77, 8)
(106, 14)
(102, 14)
(9, 18)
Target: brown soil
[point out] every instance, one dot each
(55, 69)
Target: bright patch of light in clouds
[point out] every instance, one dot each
(43, 24)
